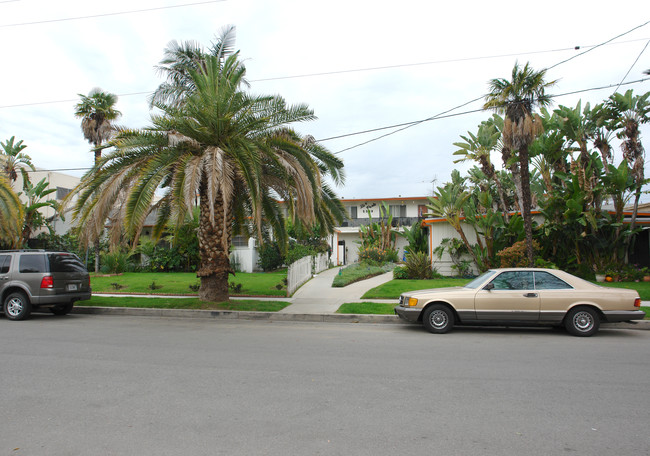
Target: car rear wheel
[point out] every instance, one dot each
(438, 319)
(17, 306)
(582, 321)
(62, 309)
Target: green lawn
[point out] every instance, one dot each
(253, 284)
(394, 288)
(250, 305)
(367, 308)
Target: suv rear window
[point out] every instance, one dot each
(65, 263)
(32, 263)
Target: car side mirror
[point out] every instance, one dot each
(489, 286)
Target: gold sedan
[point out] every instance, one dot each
(522, 297)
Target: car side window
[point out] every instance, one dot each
(5, 262)
(31, 263)
(547, 281)
(514, 280)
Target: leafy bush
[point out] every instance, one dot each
(297, 251)
(418, 266)
(515, 256)
(399, 273)
(377, 256)
(270, 256)
(114, 262)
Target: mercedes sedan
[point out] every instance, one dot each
(521, 297)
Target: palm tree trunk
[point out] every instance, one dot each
(215, 259)
(524, 175)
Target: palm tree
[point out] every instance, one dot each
(517, 98)
(231, 151)
(32, 218)
(97, 113)
(11, 214)
(628, 112)
(13, 158)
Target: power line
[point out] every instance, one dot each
(440, 116)
(632, 66)
(48, 21)
(405, 65)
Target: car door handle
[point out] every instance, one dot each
(530, 295)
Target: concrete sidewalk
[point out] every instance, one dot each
(318, 297)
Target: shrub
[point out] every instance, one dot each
(114, 262)
(297, 251)
(270, 256)
(399, 273)
(418, 266)
(515, 256)
(376, 256)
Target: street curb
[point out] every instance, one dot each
(237, 315)
(643, 325)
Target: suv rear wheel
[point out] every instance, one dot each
(17, 306)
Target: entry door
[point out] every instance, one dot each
(341, 252)
(513, 298)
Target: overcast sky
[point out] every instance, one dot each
(360, 65)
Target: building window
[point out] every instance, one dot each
(353, 212)
(61, 192)
(240, 241)
(422, 209)
(397, 210)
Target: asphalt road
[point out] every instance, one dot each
(107, 385)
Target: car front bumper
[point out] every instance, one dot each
(410, 314)
(613, 316)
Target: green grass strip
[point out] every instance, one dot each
(247, 305)
(366, 308)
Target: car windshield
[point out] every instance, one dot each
(480, 279)
(65, 262)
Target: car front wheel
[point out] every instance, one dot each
(582, 321)
(17, 306)
(438, 319)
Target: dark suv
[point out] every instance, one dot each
(31, 279)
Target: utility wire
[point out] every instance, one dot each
(476, 99)
(36, 103)
(48, 21)
(442, 115)
(632, 66)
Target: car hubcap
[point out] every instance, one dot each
(14, 307)
(438, 319)
(583, 321)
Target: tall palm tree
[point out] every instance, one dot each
(11, 215)
(97, 113)
(628, 112)
(231, 151)
(13, 158)
(517, 98)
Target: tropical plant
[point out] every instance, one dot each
(517, 98)
(97, 113)
(379, 234)
(627, 113)
(231, 151)
(32, 216)
(416, 237)
(418, 266)
(13, 158)
(11, 215)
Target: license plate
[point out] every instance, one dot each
(72, 287)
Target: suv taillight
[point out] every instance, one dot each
(637, 302)
(47, 282)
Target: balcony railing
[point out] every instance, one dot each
(397, 221)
